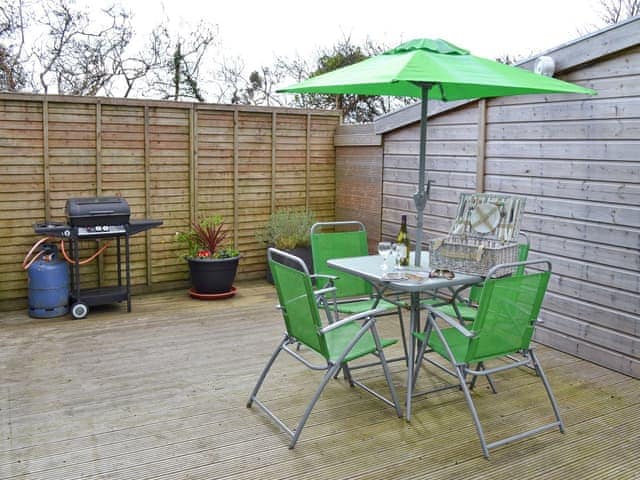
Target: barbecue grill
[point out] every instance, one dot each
(97, 218)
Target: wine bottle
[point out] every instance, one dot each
(403, 243)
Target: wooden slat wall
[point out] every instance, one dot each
(169, 174)
(576, 160)
(123, 173)
(22, 165)
(322, 167)
(171, 161)
(451, 163)
(359, 159)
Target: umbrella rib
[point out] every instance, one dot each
(442, 95)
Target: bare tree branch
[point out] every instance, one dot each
(615, 11)
(12, 41)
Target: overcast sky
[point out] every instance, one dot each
(257, 31)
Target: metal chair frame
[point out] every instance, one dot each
(332, 366)
(462, 370)
(340, 301)
(455, 303)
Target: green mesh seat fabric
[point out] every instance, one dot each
(466, 310)
(334, 344)
(338, 340)
(330, 240)
(507, 313)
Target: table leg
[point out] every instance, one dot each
(414, 325)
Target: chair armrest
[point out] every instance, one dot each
(453, 322)
(330, 279)
(352, 318)
(320, 292)
(322, 275)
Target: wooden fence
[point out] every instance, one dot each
(171, 161)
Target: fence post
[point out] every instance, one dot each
(147, 192)
(236, 179)
(307, 200)
(274, 159)
(100, 263)
(193, 162)
(98, 148)
(45, 159)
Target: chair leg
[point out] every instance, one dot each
(547, 386)
(347, 374)
(403, 336)
(486, 446)
(295, 433)
(474, 414)
(480, 366)
(333, 370)
(298, 430)
(472, 385)
(266, 369)
(385, 369)
(370, 325)
(421, 351)
(491, 384)
(387, 374)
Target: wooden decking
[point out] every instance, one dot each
(161, 392)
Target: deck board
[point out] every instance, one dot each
(160, 393)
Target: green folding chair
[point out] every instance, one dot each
(503, 327)
(466, 309)
(336, 343)
(353, 294)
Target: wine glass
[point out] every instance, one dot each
(395, 254)
(384, 249)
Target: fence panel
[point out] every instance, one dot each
(171, 161)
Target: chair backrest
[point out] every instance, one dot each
(507, 312)
(331, 240)
(297, 301)
(523, 255)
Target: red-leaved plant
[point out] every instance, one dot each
(206, 239)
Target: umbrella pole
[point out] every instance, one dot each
(420, 197)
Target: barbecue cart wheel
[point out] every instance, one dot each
(79, 310)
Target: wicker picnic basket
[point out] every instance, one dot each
(484, 234)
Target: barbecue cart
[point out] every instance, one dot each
(94, 218)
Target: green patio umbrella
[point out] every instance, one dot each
(435, 69)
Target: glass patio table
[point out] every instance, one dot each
(411, 280)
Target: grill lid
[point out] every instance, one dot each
(91, 211)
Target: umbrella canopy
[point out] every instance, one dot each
(435, 69)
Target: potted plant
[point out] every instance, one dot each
(212, 264)
(288, 229)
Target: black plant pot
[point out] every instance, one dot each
(303, 252)
(213, 275)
